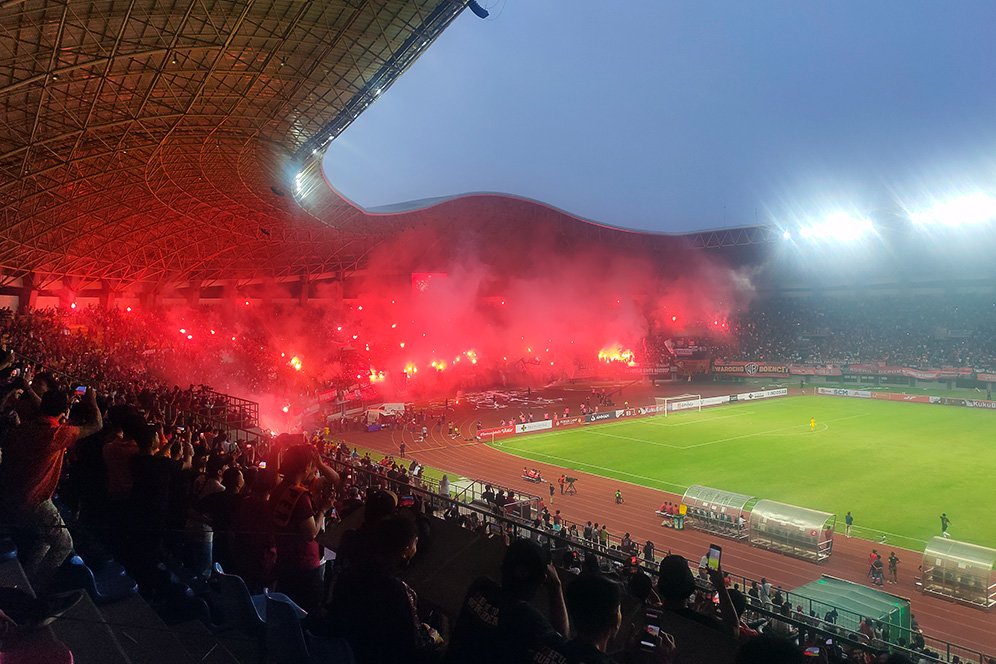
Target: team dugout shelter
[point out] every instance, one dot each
(853, 601)
(792, 530)
(959, 571)
(717, 511)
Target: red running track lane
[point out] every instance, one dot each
(967, 627)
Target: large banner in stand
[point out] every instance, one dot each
(749, 368)
(814, 370)
(686, 367)
(881, 369)
(653, 370)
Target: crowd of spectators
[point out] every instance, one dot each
(154, 492)
(923, 331)
(122, 459)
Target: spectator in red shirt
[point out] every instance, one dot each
(30, 472)
(298, 517)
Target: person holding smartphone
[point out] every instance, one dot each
(594, 603)
(676, 584)
(297, 518)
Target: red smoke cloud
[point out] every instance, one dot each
(530, 306)
(520, 303)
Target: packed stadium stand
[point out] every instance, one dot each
(164, 156)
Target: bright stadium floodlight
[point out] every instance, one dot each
(838, 226)
(969, 210)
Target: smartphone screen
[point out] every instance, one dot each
(262, 465)
(81, 390)
(812, 652)
(715, 554)
(649, 640)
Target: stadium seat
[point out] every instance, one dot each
(232, 605)
(8, 549)
(288, 643)
(103, 587)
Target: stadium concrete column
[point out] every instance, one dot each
(267, 288)
(230, 292)
(151, 296)
(27, 297)
(109, 291)
(305, 290)
(67, 294)
(193, 293)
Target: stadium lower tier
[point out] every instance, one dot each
(595, 501)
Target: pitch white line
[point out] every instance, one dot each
(703, 420)
(579, 465)
(624, 422)
(596, 431)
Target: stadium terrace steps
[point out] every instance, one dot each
(85, 631)
(82, 629)
(209, 648)
(129, 631)
(148, 640)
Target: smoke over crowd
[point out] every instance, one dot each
(434, 312)
(439, 311)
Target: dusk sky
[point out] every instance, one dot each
(680, 116)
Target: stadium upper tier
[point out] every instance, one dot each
(158, 141)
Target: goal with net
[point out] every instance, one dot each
(680, 402)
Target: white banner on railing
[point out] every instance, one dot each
(841, 392)
(533, 426)
(762, 394)
(715, 401)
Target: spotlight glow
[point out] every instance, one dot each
(838, 226)
(969, 210)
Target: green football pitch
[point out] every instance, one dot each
(895, 466)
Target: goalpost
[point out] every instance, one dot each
(680, 402)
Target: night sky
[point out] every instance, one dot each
(678, 116)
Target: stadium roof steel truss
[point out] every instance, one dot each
(157, 140)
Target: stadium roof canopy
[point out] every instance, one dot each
(158, 140)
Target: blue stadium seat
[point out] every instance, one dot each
(288, 643)
(233, 607)
(8, 549)
(103, 587)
